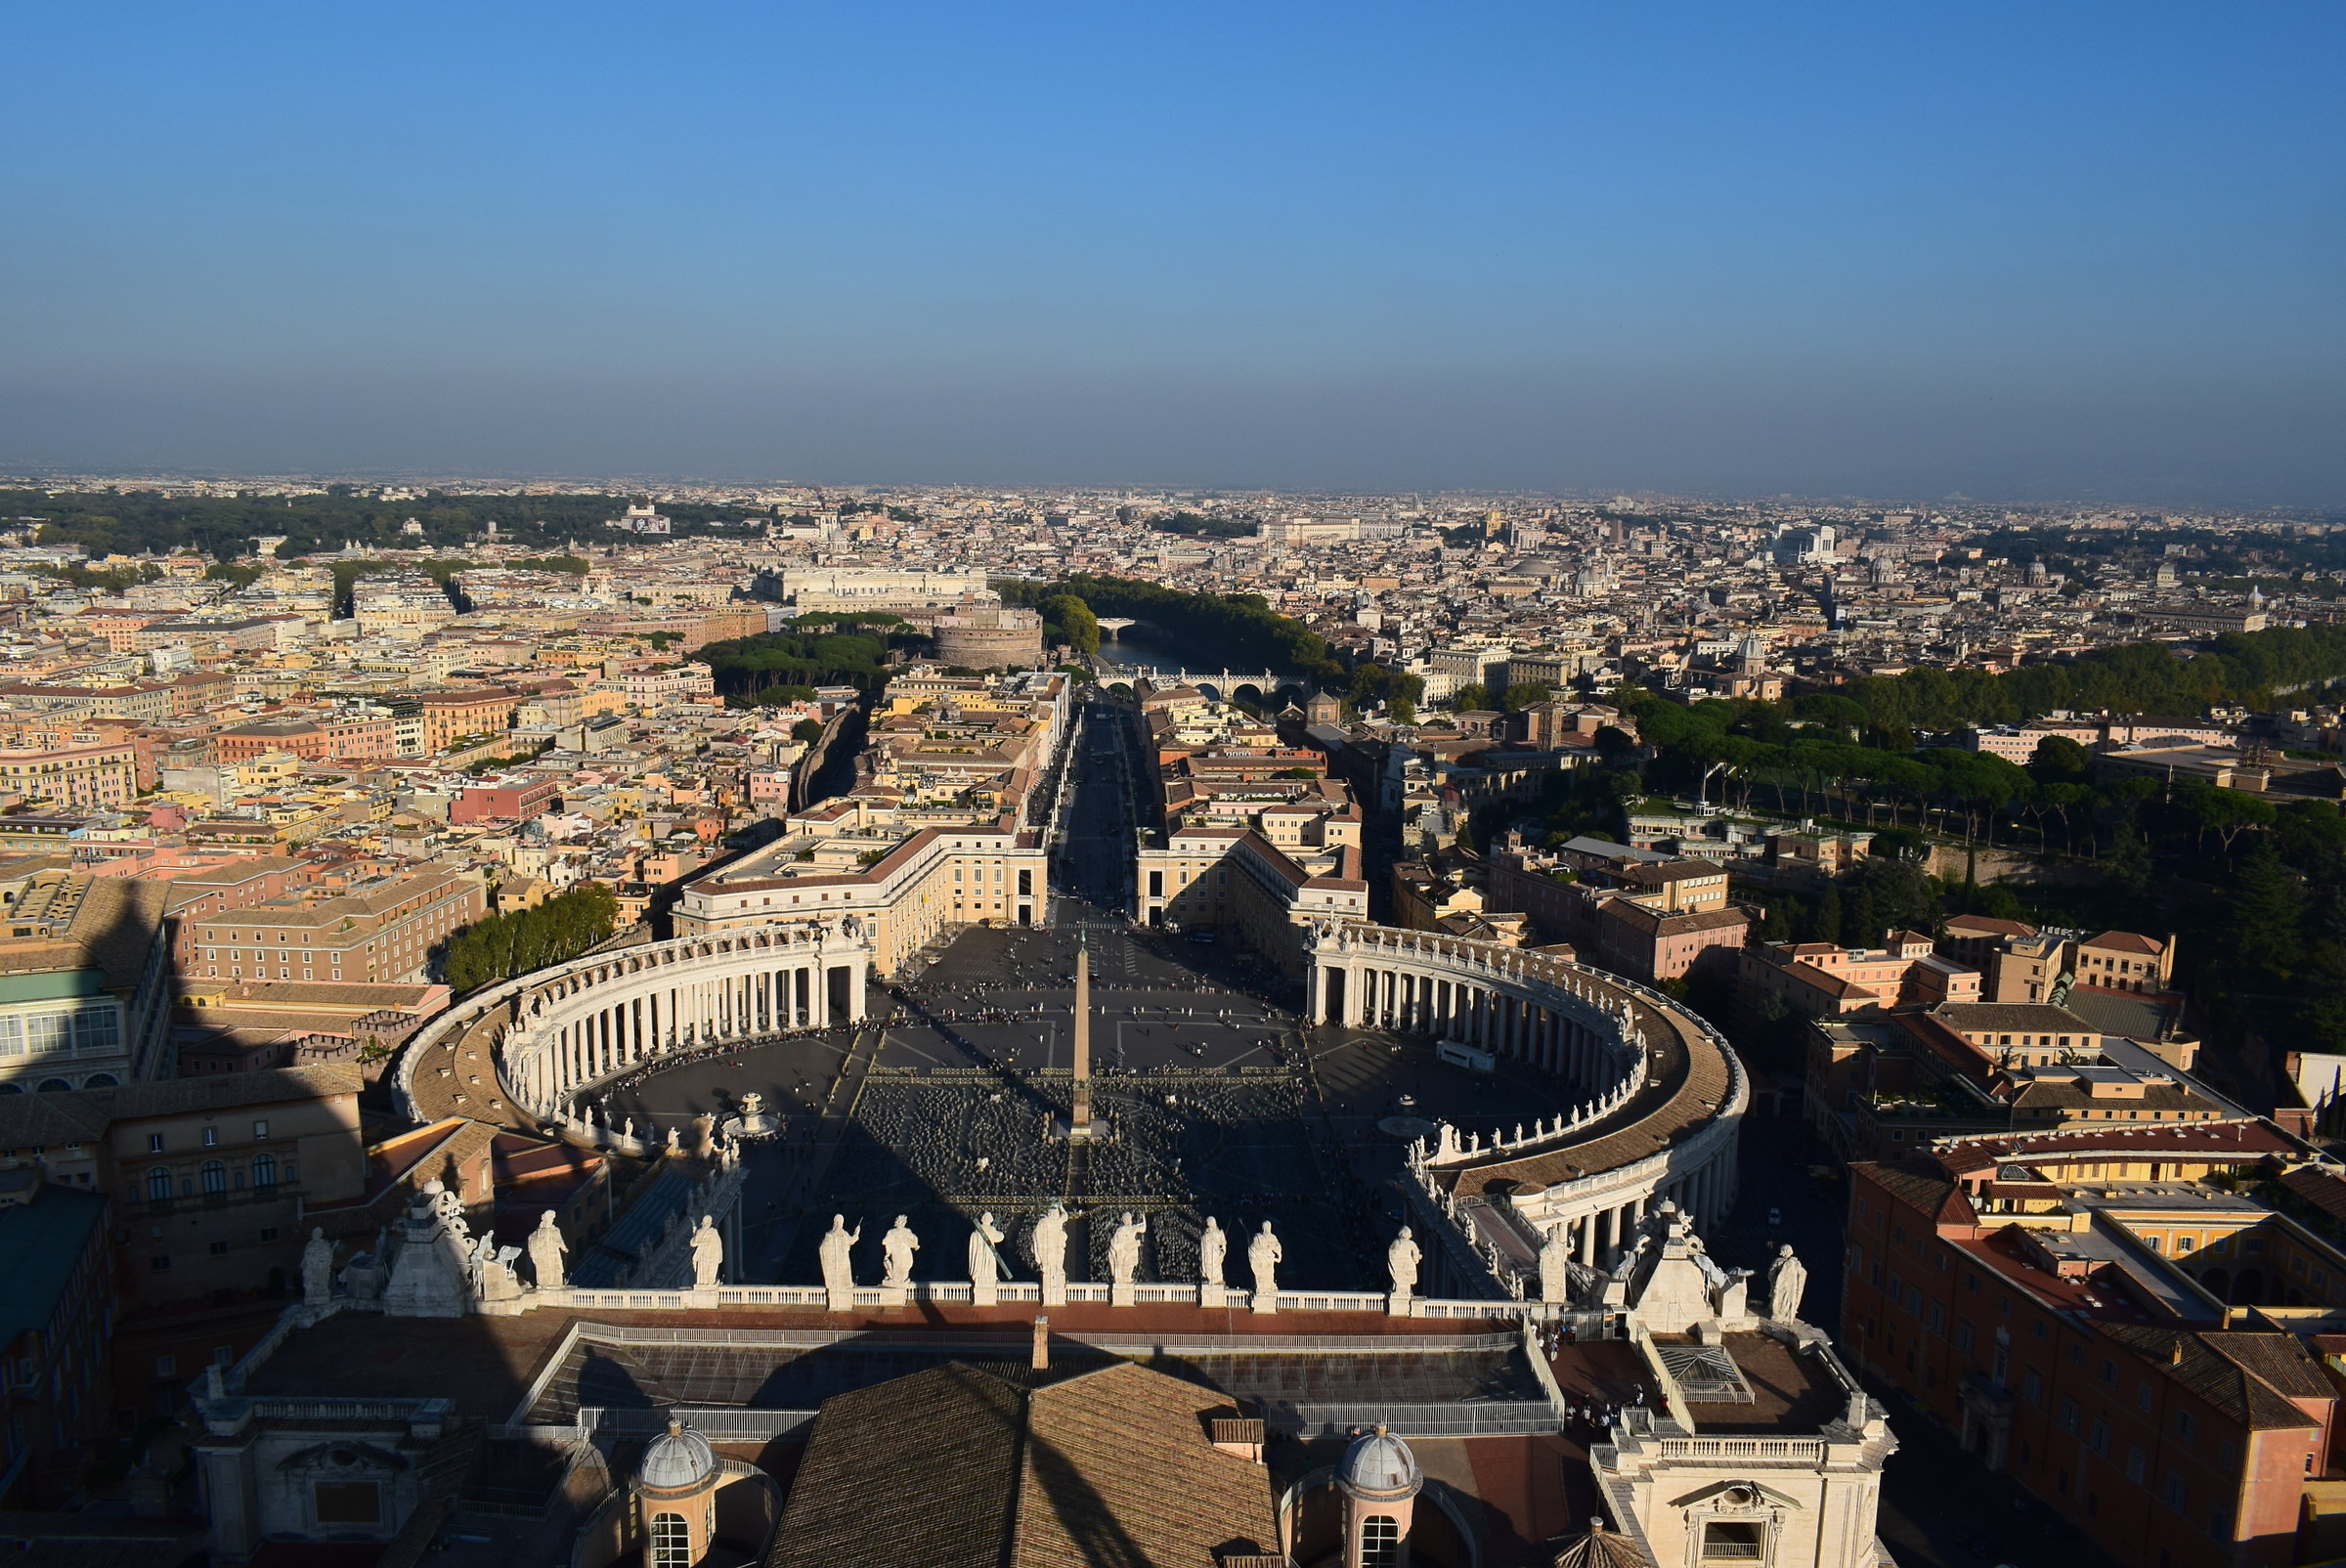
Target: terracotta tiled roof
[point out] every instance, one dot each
(955, 1465)
(2126, 942)
(1921, 1184)
(2232, 1371)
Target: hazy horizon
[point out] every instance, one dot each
(2083, 256)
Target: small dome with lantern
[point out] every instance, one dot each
(1379, 1466)
(677, 1460)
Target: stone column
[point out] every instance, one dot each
(1587, 1229)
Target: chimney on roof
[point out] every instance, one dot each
(1042, 1343)
(2174, 1354)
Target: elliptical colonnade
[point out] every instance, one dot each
(576, 1027)
(1615, 1040)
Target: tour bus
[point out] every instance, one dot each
(1473, 1057)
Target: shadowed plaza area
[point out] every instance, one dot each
(1215, 1100)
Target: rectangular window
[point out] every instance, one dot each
(2032, 1386)
(1732, 1540)
(155, 1143)
(211, 1137)
(97, 1028)
(260, 1132)
(2069, 1415)
(48, 1031)
(348, 1501)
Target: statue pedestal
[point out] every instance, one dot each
(1055, 1293)
(1399, 1304)
(839, 1301)
(1210, 1294)
(984, 1293)
(892, 1297)
(1266, 1301)
(1121, 1294)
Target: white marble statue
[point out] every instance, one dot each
(317, 1267)
(546, 1248)
(1213, 1246)
(1124, 1249)
(839, 1271)
(898, 1246)
(1555, 1264)
(1263, 1255)
(1051, 1253)
(708, 1253)
(1787, 1280)
(1401, 1262)
(986, 1255)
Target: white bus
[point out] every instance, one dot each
(1473, 1057)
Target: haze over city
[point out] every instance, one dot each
(2004, 251)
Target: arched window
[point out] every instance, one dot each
(56, 1086)
(1380, 1541)
(215, 1176)
(159, 1185)
(99, 1080)
(672, 1542)
(264, 1170)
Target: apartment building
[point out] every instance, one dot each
(456, 714)
(381, 931)
(84, 982)
(1826, 980)
(88, 773)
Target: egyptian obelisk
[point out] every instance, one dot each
(1079, 1116)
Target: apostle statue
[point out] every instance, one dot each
(898, 1247)
(839, 1272)
(317, 1267)
(985, 1257)
(1263, 1254)
(1212, 1247)
(1787, 1280)
(546, 1248)
(1401, 1262)
(708, 1253)
(1124, 1249)
(1051, 1253)
(1556, 1265)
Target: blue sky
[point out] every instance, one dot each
(2030, 251)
